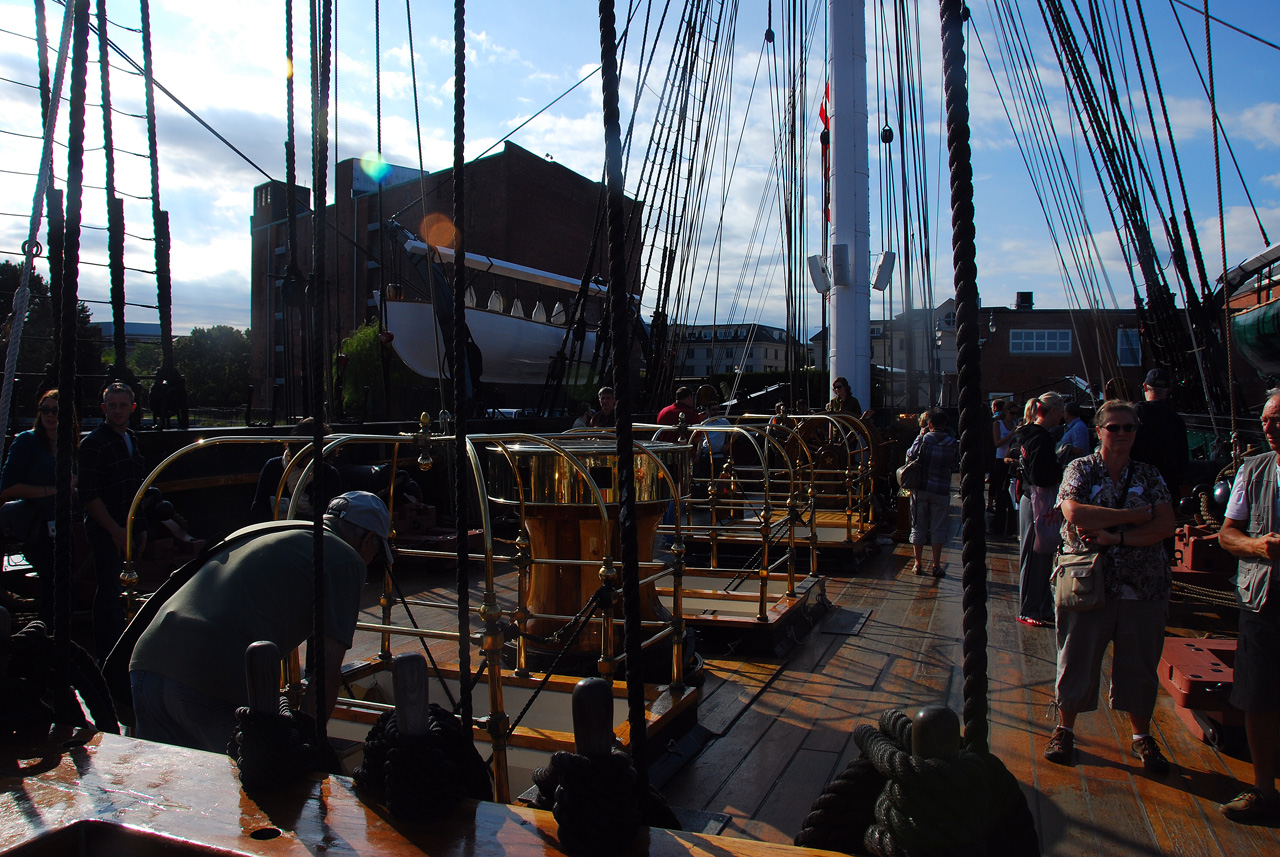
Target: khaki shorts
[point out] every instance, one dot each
(1136, 631)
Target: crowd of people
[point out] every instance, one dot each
(1107, 492)
(1112, 494)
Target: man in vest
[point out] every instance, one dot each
(1251, 532)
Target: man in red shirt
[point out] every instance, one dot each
(670, 415)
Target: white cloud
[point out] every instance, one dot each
(1261, 124)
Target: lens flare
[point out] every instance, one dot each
(439, 230)
(374, 167)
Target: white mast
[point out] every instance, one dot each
(849, 340)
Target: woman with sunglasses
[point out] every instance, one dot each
(1112, 503)
(27, 485)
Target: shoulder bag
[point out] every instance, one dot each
(1079, 580)
(911, 475)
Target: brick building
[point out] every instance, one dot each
(1025, 351)
(520, 208)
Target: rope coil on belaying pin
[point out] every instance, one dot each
(268, 744)
(418, 759)
(38, 695)
(936, 799)
(591, 792)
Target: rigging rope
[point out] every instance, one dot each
(620, 322)
(1222, 228)
(160, 219)
(63, 544)
(322, 59)
(974, 421)
(460, 358)
(115, 205)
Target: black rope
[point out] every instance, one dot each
(459, 356)
(56, 237)
(63, 539)
(115, 205)
(159, 218)
(974, 422)
(595, 800)
(42, 55)
(319, 167)
(928, 806)
(270, 749)
(423, 775)
(620, 324)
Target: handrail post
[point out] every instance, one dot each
(608, 664)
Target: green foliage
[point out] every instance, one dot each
(37, 332)
(144, 358)
(215, 363)
(366, 354)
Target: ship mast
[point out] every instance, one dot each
(849, 341)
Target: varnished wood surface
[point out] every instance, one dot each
(122, 796)
(766, 767)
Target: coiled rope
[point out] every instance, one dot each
(270, 748)
(422, 775)
(592, 798)
(42, 687)
(927, 805)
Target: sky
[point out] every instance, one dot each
(226, 61)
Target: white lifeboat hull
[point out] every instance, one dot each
(515, 350)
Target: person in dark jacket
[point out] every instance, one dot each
(112, 468)
(1162, 435)
(264, 497)
(936, 450)
(1040, 477)
(27, 486)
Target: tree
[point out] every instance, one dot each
(366, 355)
(215, 363)
(144, 358)
(37, 333)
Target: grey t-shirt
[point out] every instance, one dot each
(259, 588)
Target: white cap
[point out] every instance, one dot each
(366, 511)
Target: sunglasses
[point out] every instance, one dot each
(839, 387)
(47, 410)
(1121, 427)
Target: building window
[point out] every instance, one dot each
(1128, 347)
(876, 330)
(708, 354)
(1039, 342)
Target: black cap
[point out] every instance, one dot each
(1158, 378)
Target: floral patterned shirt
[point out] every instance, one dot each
(1140, 573)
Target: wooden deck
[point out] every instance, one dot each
(765, 768)
(774, 731)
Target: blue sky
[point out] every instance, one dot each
(226, 61)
